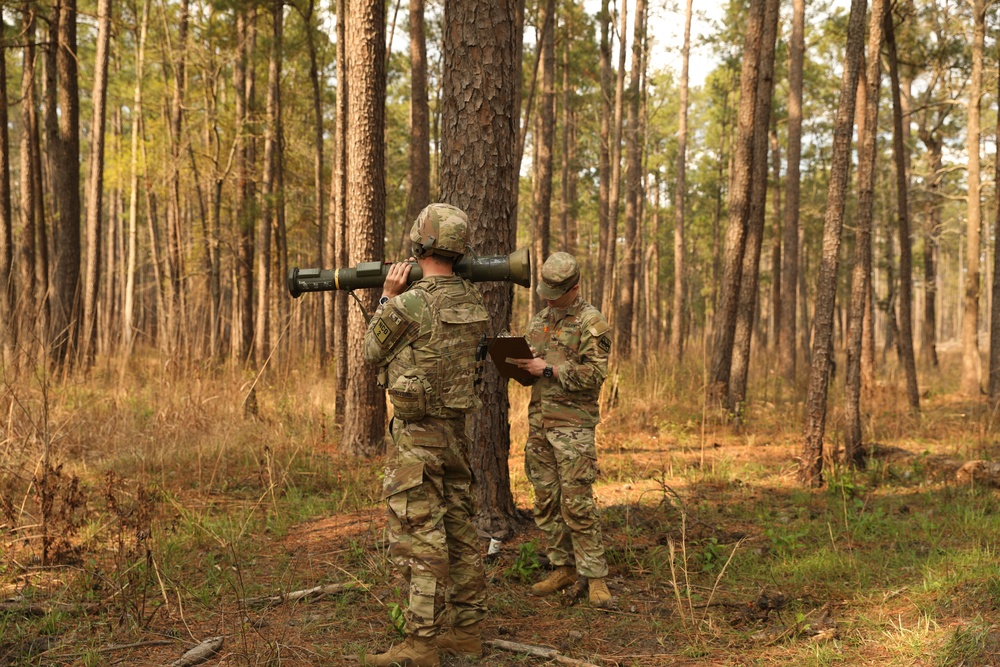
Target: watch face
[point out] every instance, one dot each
(383, 300)
(547, 372)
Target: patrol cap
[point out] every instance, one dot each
(560, 273)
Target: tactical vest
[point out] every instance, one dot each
(443, 366)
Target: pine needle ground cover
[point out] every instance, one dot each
(142, 516)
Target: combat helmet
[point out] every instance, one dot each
(440, 229)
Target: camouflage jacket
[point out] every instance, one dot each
(574, 341)
(431, 332)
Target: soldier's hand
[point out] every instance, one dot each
(395, 280)
(534, 366)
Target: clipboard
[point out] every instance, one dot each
(502, 348)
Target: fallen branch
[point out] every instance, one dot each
(310, 594)
(538, 652)
(200, 653)
(30, 610)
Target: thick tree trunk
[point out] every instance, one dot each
(747, 309)
(971, 363)
(787, 349)
(28, 310)
(994, 381)
(95, 187)
(739, 207)
(66, 176)
(567, 194)
(811, 461)
(905, 245)
(860, 288)
(479, 145)
(543, 143)
(420, 123)
(680, 194)
(364, 416)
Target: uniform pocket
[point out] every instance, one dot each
(408, 395)
(397, 490)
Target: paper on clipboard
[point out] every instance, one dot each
(503, 349)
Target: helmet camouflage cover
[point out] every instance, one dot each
(440, 229)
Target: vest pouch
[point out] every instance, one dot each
(408, 395)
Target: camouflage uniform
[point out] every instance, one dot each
(425, 343)
(560, 458)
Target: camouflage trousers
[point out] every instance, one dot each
(561, 463)
(432, 540)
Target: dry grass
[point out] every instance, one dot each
(148, 508)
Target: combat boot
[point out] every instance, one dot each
(600, 596)
(464, 641)
(413, 652)
(561, 577)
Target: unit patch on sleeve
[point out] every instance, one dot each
(604, 344)
(382, 331)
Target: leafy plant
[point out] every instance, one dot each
(396, 618)
(525, 564)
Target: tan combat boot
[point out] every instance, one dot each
(600, 596)
(465, 641)
(561, 577)
(413, 652)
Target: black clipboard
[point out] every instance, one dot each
(503, 348)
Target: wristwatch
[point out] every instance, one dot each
(547, 372)
(383, 300)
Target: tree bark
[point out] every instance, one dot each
(811, 461)
(365, 412)
(95, 187)
(739, 207)
(614, 191)
(905, 244)
(243, 346)
(854, 453)
(787, 351)
(8, 326)
(749, 274)
(128, 323)
(66, 176)
(971, 379)
(633, 192)
(28, 310)
(604, 156)
(337, 234)
(680, 194)
(543, 143)
(420, 124)
(479, 145)
(994, 380)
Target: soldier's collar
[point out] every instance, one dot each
(571, 309)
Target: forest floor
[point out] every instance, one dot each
(184, 511)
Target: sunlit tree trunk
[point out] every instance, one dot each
(853, 452)
(746, 309)
(420, 124)
(633, 184)
(811, 460)
(128, 323)
(364, 416)
(614, 192)
(994, 381)
(739, 207)
(567, 194)
(543, 143)
(971, 364)
(28, 309)
(8, 326)
(899, 148)
(337, 233)
(790, 234)
(604, 156)
(95, 186)
(680, 195)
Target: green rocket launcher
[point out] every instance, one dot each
(514, 268)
